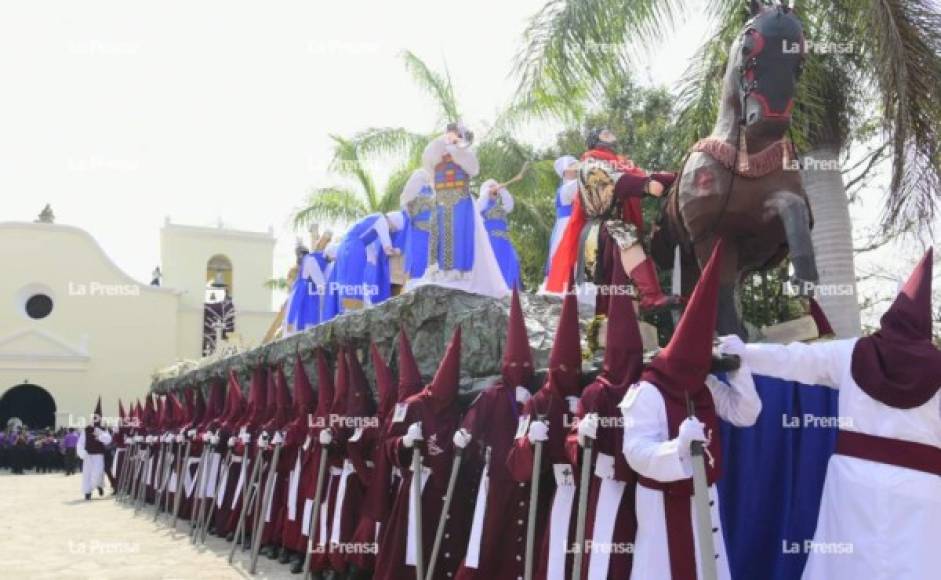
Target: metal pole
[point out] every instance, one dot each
(533, 501)
(445, 513)
(416, 499)
(177, 496)
(584, 484)
(265, 506)
(321, 471)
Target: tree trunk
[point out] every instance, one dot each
(833, 240)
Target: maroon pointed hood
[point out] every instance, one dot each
(442, 391)
(325, 388)
(385, 384)
(199, 408)
(122, 416)
(96, 414)
(271, 395)
(279, 400)
(216, 403)
(189, 406)
(898, 365)
(517, 368)
(235, 402)
(683, 364)
(304, 402)
(820, 319)
(341, 392)
(410, 381)
(150, 415)
(565, 358)
(624, 348)
(359, 402)
(257, 398)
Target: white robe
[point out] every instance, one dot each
(876, 521)
(93, 464)
(652, 454)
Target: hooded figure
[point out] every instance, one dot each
(367, 455)
(246, 446)
(882, 493)
(92, 442)
(225, 441)
(360, 412)
(501, 504)
(279, 421)
(610, 522)
(425, 424)
(546, 417)
(300, 502)
(121, 440)
(658, 433)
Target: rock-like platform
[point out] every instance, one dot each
(428, 314)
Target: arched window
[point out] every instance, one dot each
(219, 273)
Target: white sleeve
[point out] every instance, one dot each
(822, 363)
(737, 402)
(647, 446)
(433, 153)
(413, 187)
(569, 189)
(105, 438)
(481, 202)
(464, 157)
(80, 445)
(507, 200)
(381, 225)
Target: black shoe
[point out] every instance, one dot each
(101, 491)
(230, 536)
(285, 556)
(297, 566)
(87, 496)
(273, 552)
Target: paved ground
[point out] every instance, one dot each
(49, 531)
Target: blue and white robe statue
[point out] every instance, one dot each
(304, 303)
(446, 242)
(418, 205)
(494, 208)
(362, 265)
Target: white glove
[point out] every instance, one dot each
(245, 437)
(538, 431)
(691, 429)
(232, 441)
(179, 438)
(204, 437)
(462, 438)
(588, 428)
(149, 439)
(138, 439)
(191, 433)
(214, 439)
(104, 438)
(573, 404)
(262, 440)
(278, 438)
(412, 435)
(731, 344)
(326, 437)
(523, 395)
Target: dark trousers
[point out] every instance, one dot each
(71, 461)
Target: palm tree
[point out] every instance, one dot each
(893, 67)
(348, 203)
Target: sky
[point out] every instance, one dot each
(121, 114)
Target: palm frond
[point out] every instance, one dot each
(436, 85)
(387, 141)
(347, 162)
(573, 46)
(904, 60)
(332, 204)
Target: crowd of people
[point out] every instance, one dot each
(616, 479)
(41, 450)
